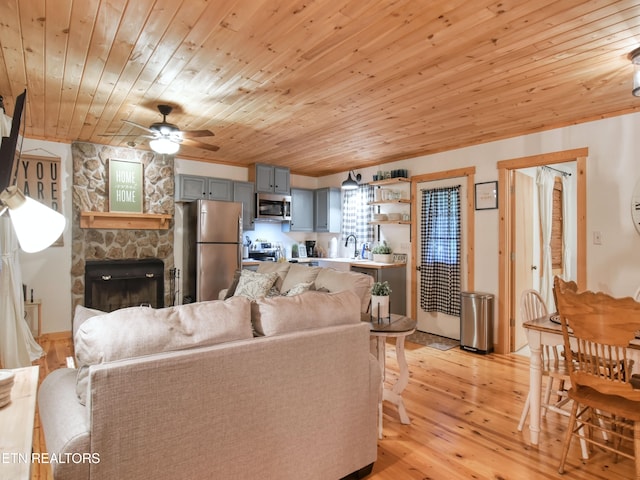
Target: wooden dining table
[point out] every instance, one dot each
(542, 331)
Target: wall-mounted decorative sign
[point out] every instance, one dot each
(486, 195)
(125, 186)
(39, 177)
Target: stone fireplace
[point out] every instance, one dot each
(91, 194)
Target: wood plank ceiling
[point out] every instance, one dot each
(319, 86)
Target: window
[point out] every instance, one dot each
(357, 214)
(440, 255)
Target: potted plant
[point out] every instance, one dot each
(382, 253)
(380, 292)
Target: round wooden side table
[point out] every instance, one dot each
(399, 327)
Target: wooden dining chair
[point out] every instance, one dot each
(553, 365)
(596, 330)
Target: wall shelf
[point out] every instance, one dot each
(390, 181)
(390, 222)
(124, 221)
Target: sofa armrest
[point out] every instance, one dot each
(65, 422)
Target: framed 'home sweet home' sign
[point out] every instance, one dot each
(125, 186)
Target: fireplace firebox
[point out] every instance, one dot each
(113, 284)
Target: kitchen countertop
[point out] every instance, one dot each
(351, 261)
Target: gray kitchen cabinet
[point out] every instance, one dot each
(194, 187)
(191, 187)
(396, 275)
(301, 210)
(220, 189)
(243, 192)
(271, 179)
(328, 210)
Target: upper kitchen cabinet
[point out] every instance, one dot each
(301, 211)
(270, 179)
(191, 187)
(328, 211)
(243, 192)
(194, 187)
(220, 189)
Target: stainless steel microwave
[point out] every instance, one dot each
(271, 206)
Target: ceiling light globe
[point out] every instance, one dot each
(164, 145)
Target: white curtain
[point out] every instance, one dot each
(568, 227)
(545, 180)
(17, 346)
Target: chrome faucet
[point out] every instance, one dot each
(355, 244)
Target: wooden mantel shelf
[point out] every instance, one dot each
(124, 221)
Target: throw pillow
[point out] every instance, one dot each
(299, 273)
(278, 315)
(136, 331)
(254, 285)
(300, 288)
(281, 268)
(234, 284)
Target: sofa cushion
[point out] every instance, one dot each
(136, 331)
(254, 285)
(278, 315)
(299, 288)
(337, 281)
(281, 268)
(298, 274)
(82, 314)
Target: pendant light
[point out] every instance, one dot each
(350, 183)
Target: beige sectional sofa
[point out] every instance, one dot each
(191, 392)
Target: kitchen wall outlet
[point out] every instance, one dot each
(405, 246)
(597, 238)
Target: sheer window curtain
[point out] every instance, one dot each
(17, 346)
(568, 227)
(357, 214)
(440, 262)
(545, 180)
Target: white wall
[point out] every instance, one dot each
(613, 168)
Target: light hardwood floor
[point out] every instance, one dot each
(464, 409)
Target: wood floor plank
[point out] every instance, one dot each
(464, 411)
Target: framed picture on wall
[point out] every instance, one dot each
(486, 195)
(125, 186)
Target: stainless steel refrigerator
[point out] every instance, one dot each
(212, 248)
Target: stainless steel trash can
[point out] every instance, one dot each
(476, 322)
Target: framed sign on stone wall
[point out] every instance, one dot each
(39, 177)
(125, 186)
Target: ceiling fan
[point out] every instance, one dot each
(167, 137)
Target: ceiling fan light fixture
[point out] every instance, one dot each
(350, 183)
(634, 56)
(164, 145)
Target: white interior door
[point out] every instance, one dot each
(435, 322)
(524, 240)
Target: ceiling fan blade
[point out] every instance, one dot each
(205, 146)
(197, 133)
(119, 135)
(147, 129)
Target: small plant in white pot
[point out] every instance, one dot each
(382, 253)
(380, 292)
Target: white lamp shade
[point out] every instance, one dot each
(164, 145)
(36, 225)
